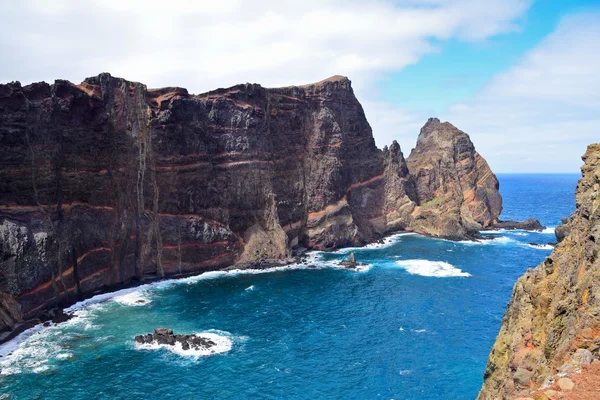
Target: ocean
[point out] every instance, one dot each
(417, 322)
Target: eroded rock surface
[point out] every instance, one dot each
(552, 323)
(109, 182)
(455, 188)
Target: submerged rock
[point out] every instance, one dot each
(165, 336)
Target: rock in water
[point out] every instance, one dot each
(555, 307)
(165, 336)
(350, 262)
(528, 225)
(232, 176)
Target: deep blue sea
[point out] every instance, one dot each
(418, 323)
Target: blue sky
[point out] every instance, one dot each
(520, 76)
(460, 69)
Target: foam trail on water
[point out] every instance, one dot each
(387, 242)
(101, 298)
(496, 240)
(437, 269)
(540, 246)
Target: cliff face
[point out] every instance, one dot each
(552, 323)
(455, 187)
(107, 182)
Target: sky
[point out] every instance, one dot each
(521, 77)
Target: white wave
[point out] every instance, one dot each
(136, 299)
(496, 240)
(540, 246)
(65, 356)
(13, 344)
(363, 267)
(101, 298)
(438, 269)
(520, 234)
(549, 229)
(405, 372)
(222, 340)
(385, 242)
(251, 287)
(32, 353)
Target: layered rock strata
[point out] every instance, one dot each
(108, 182)
(552, 323)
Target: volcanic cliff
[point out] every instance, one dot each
(108, 182)
(551, 328)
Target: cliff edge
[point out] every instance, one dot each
(551, 329)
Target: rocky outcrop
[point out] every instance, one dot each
(562, 231)
(528, 225)
(108, 182)
(455, 188)
(165, 336)
(552, 322)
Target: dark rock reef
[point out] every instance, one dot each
(108, 183)
(552, 324)
(165, 336)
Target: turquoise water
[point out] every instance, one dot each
(417, 324)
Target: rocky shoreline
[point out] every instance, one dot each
(57, 315)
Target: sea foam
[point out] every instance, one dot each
(385, 242)
(437, 269)
(540, 246)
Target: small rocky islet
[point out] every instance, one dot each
(165, 336)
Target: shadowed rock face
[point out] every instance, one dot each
(554, 313)
(109, 182)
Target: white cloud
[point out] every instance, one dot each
(542, 113)
(202, 45)
(206, 44)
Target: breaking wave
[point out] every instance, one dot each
(437, 269)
